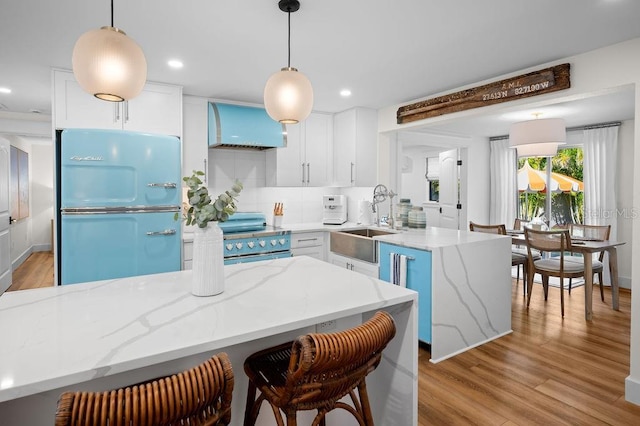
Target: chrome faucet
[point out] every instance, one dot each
(380, 194)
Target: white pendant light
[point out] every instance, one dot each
(108, 64)
(288, 95)
(538, 138)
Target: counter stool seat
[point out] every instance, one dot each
(315, 371)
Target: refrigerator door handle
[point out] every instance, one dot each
(165, 232)
(163, 185)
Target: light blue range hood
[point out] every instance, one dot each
(239, 126)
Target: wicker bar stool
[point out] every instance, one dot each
(316, 370)
(198, 396)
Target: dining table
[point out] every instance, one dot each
(587, 247)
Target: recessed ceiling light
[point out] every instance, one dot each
(174, 63)
(5, 90)
(345, 93)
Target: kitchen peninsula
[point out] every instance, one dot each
(108, 334)
(464, 282)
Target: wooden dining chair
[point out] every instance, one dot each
(558, 243)
(315, 371)
(518, 258)
(594, 233)
(199, 396)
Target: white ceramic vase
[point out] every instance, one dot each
(208, 261)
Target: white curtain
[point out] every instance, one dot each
(503, 183)
(599, 168)
(600, 148)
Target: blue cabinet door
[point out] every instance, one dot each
(418, 279)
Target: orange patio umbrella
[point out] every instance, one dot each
(531, 180)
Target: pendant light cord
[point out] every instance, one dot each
(288, 38)
(112, 14)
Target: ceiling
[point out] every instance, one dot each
(385, 52)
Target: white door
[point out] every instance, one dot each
(449, 190)
(5, 245)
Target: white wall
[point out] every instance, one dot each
(41, 194)
(478, 182)
(593, 73)
(301, 204)
(624, 199)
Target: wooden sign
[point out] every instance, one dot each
(531, 84)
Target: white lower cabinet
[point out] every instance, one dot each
(366, 268)
(187, 254)
(310, 244)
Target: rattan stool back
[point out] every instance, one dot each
(198, 396)
(318, 369)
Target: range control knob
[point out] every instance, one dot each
(239, 246)
(274, 242)
(229, 246)
(262, 243)
(251, 244)
(282, 241)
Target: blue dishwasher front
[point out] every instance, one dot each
(418, 279)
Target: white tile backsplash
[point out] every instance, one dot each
(301, 204)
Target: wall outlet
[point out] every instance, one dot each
(326, 326)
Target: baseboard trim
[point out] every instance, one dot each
(42, 247)
(632, 390)
(20, 260)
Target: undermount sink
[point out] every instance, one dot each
(358, 243)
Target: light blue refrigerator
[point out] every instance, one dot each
(118, 195)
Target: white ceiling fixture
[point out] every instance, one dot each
(288, 95)
(345, 93)
(175, 63)
(108, 64)
(5, 90)
(539, 137)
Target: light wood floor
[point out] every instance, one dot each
(549, 371)
(35, 272)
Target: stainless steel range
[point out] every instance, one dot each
(248, 238)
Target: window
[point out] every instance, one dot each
(434, 190)
(567, 191)
(19, 183)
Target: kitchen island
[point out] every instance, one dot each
(464, 282)
(107, 334)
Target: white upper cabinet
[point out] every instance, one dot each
(355, 147)
(157, 109)
(305, 159)
(195, 148)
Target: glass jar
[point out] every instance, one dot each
(417, 218)
(404, 206)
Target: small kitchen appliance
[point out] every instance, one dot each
(334, 209)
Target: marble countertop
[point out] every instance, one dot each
(431, 238)
(58, 336)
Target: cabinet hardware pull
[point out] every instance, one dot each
(126, 111)
(302, 172)
(308, 173)
(352, 164)
(116, 112)
(162, 185)
(307, 239)
(165, 232)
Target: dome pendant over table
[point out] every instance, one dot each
(108, 64)
(288, 95)
(539, 137)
